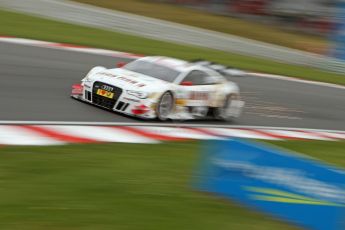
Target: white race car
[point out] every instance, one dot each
(163, 88)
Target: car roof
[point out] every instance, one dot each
(173, 63)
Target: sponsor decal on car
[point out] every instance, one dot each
(105, 93)
(199, 95)
(180, 102)
(125, 79)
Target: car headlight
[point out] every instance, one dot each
(138, 94)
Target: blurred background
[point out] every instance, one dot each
(307, 16)
(315, 17)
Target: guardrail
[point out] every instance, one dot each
(83, 14)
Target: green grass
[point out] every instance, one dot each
(328, 151)
(240, 27)
(20, 25)
(122, 186)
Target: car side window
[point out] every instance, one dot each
(197, 77)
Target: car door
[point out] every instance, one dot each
(198, 89)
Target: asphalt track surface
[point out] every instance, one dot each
(36, 83)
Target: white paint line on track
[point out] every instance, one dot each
(228, 132)
(68, 47)
(333, 135)
(14, 135)
(181, 125)
(296, 135)
(102, 134)
(324, 137)
(105, 52)
(63, 134)
(293, 79)
(24, 41)
(177, 132)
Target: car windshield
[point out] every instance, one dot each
(153, 70)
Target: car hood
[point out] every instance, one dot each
(126, 79)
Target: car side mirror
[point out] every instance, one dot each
(186, 83)
(120, 64)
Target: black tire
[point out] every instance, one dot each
(220, 113)
(165, 106)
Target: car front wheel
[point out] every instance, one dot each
(165, 106)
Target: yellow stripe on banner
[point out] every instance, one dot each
(278, 193)
(275, 195)
(291, 201)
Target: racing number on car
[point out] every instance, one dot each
(105, 93)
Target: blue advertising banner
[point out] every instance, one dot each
(290, 186)
(339, 35)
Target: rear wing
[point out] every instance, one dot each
(224, 70)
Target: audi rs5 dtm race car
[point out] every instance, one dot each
(163, 88)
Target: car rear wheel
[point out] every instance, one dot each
(165, 106)
(222, 113)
